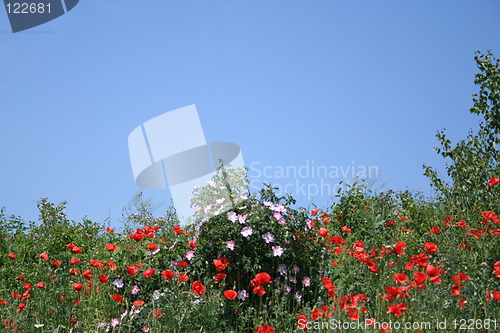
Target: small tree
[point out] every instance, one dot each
(475, 159)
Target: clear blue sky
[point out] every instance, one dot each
(337, 83)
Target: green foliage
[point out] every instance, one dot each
(228, 187)
(140, 211)
(487, 102)
(271, 218)
(475, 159)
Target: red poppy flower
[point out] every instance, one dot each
(447, 221)
(430, 247)
(434, 273)
(398, 249)
(157, 313)
(230, 294)
(112, 266)
(148, 272)
(27, 286)
(76, 249)
(117, 298)
(346, 229)
(460, 277)
(183, 277)
(406, 230)
(219, 276)
(389, 223)
(40, 285)
(488, 215)
(97, 263)
(325, 313)
(111, 247)
(262, 278)
(25, 297)
(455, 290)
(178, 230)
(44, 256)
(337, 240)
(74, 261)
(420, 277)
(152, 247)
(496, 268)
(392, 291)
(183, 264)
(461, 224)
(109, 230)
(137, 236)
(323, 232)
(12, 256)
(353, 313)
(493, 181)
(221, 264)
(259, 290)
(192, 244)
(74, 271)
(55, 262)
(87, 274)
(400, 278)
(20, 307)
(314, 212)
(329, 286)
(198, 288)
(435, 230)
(167, 274)
(138, 303)
(302, 322)
(132, 270)
(396, 310)
(462, 302)
(315, 314)
(104, 278)
(265, 329)
(21, 277)
(78, 287)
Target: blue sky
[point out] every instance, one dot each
(334, 83)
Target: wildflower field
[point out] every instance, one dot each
(392, 261)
